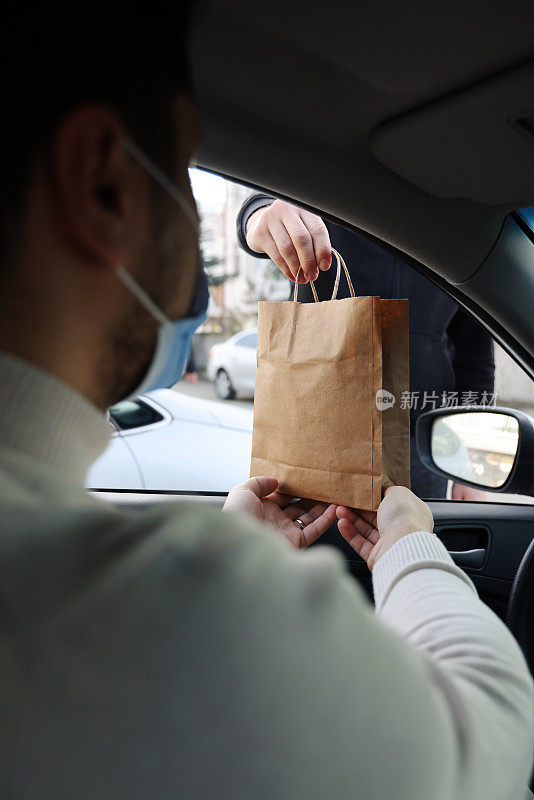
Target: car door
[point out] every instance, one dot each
(116, 468)
(188, 444)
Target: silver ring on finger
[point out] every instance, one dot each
(300, 523)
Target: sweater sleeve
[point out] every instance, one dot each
(253, 203)
(429, 697)
(473, 662)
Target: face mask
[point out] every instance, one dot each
(174, 338)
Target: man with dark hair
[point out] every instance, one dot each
(184, 652)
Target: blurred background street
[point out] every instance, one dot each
(204, 389)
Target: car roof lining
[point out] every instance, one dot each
(444, 146)
(292, 107)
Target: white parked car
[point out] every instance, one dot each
(168, 440)
(232, 365)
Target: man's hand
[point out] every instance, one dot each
(462, 492)
(292, 238)
(258, 498)
(399, 514)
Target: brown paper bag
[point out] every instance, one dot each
(318, 427)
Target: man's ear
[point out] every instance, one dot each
(98, 195)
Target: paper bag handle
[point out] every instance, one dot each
(340, 261)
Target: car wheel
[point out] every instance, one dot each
(223, 386)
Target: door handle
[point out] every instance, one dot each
(470, 559)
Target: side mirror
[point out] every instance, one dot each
(489, 448)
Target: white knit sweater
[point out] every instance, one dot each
(184, 653)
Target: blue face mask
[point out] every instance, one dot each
(174, 338)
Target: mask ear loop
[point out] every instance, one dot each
(159, 176)
(340, 261)
(141, 295)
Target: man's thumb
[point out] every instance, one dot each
(261, 486)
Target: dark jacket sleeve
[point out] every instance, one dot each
(473, 358)
(251, 204)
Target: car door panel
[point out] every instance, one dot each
(503, 531)
(510, 530)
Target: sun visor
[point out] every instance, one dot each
(477, 143)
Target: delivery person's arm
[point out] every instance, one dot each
(432, 699)
(253, 203)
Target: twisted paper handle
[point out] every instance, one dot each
(340, 261)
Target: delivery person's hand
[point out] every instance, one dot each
(258, 498)
(292, 238)
(371, 534)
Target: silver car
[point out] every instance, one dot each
(232, 365)
(166, 440)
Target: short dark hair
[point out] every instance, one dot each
(56, 59)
